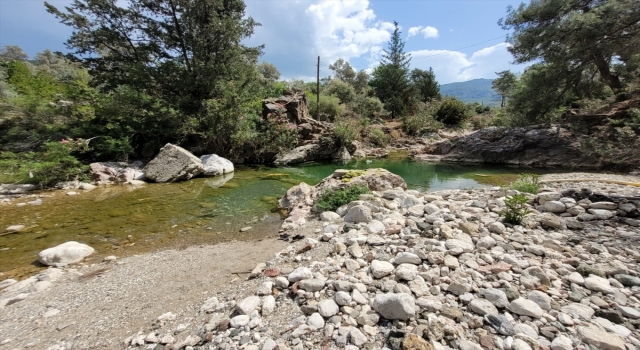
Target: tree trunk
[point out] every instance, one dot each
(603, 67)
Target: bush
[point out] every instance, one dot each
(345, 92)
(367, 106)
(527, 183)
(330, 107)
(346, 131)
(334, 199)
(379, 138)
(451, 112)
(516, 209)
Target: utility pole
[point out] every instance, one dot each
(318, 91)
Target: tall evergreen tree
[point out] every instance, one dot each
(390, 80)
(576, 34)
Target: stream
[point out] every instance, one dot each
(121, 221)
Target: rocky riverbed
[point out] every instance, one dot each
(397, 269)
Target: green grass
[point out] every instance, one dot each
(334, 199)
(527, 183)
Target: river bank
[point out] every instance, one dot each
(451, 290)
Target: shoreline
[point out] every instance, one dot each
(114, 300)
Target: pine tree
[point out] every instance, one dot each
(425, 84)
(390, 80)
(504, 85)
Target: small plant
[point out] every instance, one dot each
(379, 138)
(334, 199)
(527, 183)
(516, 209)
(346, 131)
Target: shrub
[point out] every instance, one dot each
(334, 199)
(451, 112)
(367, 106)
(379, 138)
(330, 107)
(527, 183)
(346, 131)
(345, 92)
(516, 209)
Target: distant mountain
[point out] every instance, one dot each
(476, 90)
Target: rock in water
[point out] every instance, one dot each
(64, 254)
(172, 164)
(216, 165)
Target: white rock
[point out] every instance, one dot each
(578, 311)
(342, 298)
(561, 343)
(14, 228)
(215, 165)
(375, 227)
(407, 272)
(64, 254)
(541, 298)
(315, 321)
(601, 214)
(526, 307)
(486, 242)
(549, 196)
(482, 307)
(380, 268)
(497, 227)
(299, 274)
(328, 308)
(240, 321)
(395, 306)
(496, 296)
(600, 339)
(210, 305)
(576, 277)
(554, 207)
(268, 305)
(407, 258)
(603, 205)
(452, 244)
(329, 216)
(173, 163)
(598, 284)
(247, 305)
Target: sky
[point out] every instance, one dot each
(459, 39)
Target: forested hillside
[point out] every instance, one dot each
(476, 90)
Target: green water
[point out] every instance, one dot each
(122, 221)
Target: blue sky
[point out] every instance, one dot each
(460, 39)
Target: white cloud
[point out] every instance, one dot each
(451, 66)
(428, 31)
(346, 29)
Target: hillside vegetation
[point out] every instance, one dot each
(120, 95)
(476, 90)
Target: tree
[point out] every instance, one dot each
(575, 34)
(269, 71)
(361, 81)
(186, 55)
(12, 53)
(344, 91)
(504, 84)
(390, 80)
(425, 84)
(343, 71)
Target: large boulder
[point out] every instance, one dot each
(173, 163)
(377, 179)
(292, 104)
(538, 145)
(216, 165)
(65, 254)
(323, 149)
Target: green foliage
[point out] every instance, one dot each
(576, 35)
(516, 209)
(422, 120)
(390, 80)
(330, 107)
(346, 131)
(425, 84)
(528, 183)
(504, 84)
(343, 71)
(367, 106)
(334, 199)
(55, 163)
(379, 138)
(342, 90)
(452, 112)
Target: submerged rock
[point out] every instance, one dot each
(172, 164)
